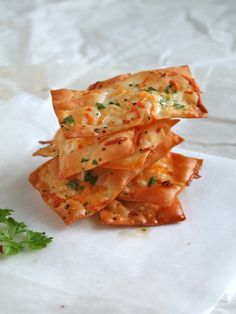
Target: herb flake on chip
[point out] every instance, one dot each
(152, 181)
(178, 106)
(114, 103)
(151, 89)
(84, 160)
(69, 120)
(94, 162)
(100, 106)
(90, 177)
(75, 185)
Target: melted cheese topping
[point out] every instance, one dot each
(134, 101)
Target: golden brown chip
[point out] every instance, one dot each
(146, 139)
(78, 154)
(127, 101)
(141, 213)
(162, 181)
(52, 150)
(80, 195)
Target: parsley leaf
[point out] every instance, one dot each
(162, 101)
(152, 181)
(168, 88)
(114, 103)
(4, 213)
(90, 177)
(75, 185)
(69, 120)
(94, 162)
(15, 236)
(37, 240)
(178, 106)
(84, 160)
(151, 89)
(100, 106)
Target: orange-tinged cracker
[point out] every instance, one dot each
(127, 101)
(163, 148)
(146, 139)
(141, 213)
(80, 195)
(51, 150)
(78, 154)
(162, 181)
(71, 201)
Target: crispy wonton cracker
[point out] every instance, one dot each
(162, 181)
(80, 195)
(127, 101)
(141, 213)
(146, 139)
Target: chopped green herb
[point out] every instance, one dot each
(69, 120)
(152, 181)
(94, 162)
(167, 89)
(114, 103)
(15, 236)
(178, 106)
(100, 106)
(84, 160)
(151, 89)
(90, 177)
(162, 101)
(75, 185)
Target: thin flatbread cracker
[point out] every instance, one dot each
(51, 150)
(127, 101)
(163, 148)
(81, 195)
(74, 198)
(162, 181)
(141, 213)
(146, 139)
(78, 154)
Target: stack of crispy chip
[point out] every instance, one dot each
(111, 155)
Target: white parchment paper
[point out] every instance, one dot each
(90, 268)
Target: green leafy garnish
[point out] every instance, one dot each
(75, 185)
(15, 236)
(151, 89)
(84, 160)
(69, 120)
(100, 106)
(152, 181)
(168, 88)
(94, 162)
(178, 106)
(90, 177)
(114, 103)
(162, 101)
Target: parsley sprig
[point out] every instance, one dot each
(152, 181)
(15, 236)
